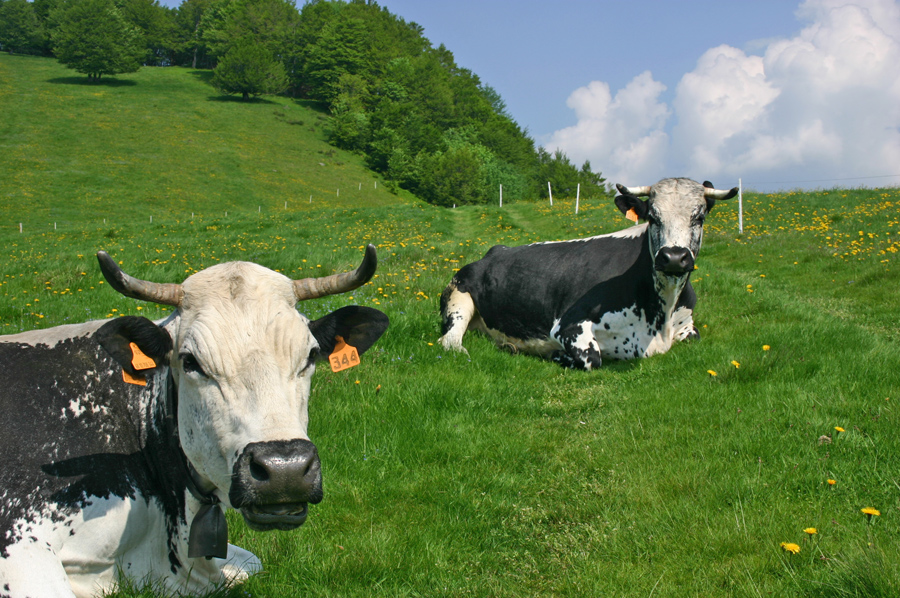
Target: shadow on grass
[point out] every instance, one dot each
(239, 100)
(204, 75)
(314, 105)
(110, 82)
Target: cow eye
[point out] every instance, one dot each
(190, 364)
(310, 361)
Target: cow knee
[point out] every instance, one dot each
(239, 564)
(457, 310)
(31, 570)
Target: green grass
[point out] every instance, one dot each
(494, 474)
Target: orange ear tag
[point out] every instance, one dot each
(139, 380)
(631, 215)
(140, 361)
(343, 357)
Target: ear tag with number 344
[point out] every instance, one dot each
(343, 357)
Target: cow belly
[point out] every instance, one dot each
(542, 347)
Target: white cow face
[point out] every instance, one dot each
(243, 361)
(242, 357)
(675, 211)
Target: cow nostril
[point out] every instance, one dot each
(258, 472)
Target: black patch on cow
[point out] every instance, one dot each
(76, 432)
(152, 340)
(359, 326)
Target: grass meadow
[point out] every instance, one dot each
(491, 474)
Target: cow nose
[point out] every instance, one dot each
(281, 471)
(674, 260)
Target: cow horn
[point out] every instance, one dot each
(719, 193)
(164, 294)
(637, 191)
(310, 288)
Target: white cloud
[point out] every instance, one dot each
(618, 135)
(821, 105)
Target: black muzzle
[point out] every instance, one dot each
(273, 482)
(674, 260)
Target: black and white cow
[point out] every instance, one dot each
(617, 296)
(104, 477)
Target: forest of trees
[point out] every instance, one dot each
(422, 121)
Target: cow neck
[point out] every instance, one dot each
(209, 530)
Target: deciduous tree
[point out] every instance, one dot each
(19, 28)
(249, 69)
(94, 38)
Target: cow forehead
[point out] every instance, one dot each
(240, 306)
(236, 282)
(680, 195)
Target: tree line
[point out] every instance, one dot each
(422, 121)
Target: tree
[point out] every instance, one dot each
(155, 26)
(452, 177)
(349, 127)
(250, 70)
(20, 30)
(93, 38)
(190, 19)
(271, 24)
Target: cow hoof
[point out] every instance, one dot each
(509, 348)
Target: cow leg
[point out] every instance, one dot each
(457, 310)
(579, 347)
(34, 571)
(683, 317)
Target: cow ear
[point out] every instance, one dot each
(117, 335)
(627, 203)
(359, 326)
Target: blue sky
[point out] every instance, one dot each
(536, 53)
(780, 93)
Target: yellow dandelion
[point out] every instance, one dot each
(838, 429)
(831, 482)
(790, 547)
(869, 511)
(735, 364)
(766, 347)
(712, 373)
(811, 531)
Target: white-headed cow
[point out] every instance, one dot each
(126, 439)
(617, 296)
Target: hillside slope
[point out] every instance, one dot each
(160, 141)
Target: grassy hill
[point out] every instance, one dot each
(493, 474)
(161, 142)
